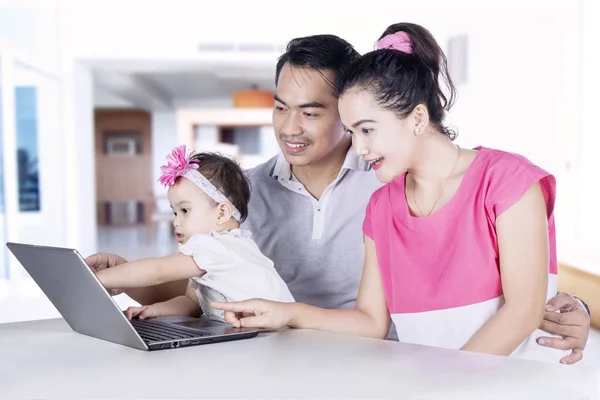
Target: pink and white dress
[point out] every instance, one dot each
(441, 273)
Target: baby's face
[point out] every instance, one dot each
(194, 213)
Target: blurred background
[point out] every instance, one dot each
(94, 94)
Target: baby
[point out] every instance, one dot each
(209, 196)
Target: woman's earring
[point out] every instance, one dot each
(417, 130)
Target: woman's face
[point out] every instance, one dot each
(378, 136)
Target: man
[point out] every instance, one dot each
(308, 203)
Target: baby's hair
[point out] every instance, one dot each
(227, 176)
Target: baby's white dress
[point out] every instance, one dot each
(235, 268)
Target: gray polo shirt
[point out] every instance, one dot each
(316, 245)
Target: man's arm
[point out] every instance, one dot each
(584, 304)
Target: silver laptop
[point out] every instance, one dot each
(88, 308)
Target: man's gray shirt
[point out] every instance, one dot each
(316, 245)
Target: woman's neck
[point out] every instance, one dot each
(434, 161)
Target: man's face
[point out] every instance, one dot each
(305, 117)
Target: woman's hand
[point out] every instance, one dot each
(369, 318)
(257, 313)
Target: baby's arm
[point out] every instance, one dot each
(524, 257)
(181, 305)
(149, 272)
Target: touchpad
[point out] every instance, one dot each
(200, 323)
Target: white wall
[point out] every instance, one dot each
(522, 92)
(80, 171)
(588, 212)
(32, 27)
(252, 22)
(164, 138)
(519, 72)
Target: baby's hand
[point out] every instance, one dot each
(142, 312)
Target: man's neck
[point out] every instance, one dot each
(316, 177)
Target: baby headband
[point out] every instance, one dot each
(399, 41)
(179, 163)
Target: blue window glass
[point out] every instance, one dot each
(3, 258)
(1, 164)
(27, 147)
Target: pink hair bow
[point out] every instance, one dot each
(396, 41)
(177, 162)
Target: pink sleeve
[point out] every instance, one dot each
(368, 221)
(508, 186)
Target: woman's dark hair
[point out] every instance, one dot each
(227, 176)
(400, 81)
(318, 52)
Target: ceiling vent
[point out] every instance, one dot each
(241, 47)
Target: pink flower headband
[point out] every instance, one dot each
(179, 163)
(399, 41)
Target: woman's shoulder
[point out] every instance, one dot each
(501, 161)
(497, 168)
(506, 176)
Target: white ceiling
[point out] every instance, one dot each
(191, 85)
(159, 84)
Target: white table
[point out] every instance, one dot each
(45, 359)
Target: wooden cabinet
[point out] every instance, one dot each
(123, 166)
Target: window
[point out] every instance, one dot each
(246, 138)
(1, 161)
(27, 147)
(3, 264)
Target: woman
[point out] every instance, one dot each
(460, 243)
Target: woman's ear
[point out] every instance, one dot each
(225, 213)
(420, 119)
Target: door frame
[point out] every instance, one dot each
(13, 218)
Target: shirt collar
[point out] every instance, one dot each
(352, 161)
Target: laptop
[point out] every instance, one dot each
(88, 308)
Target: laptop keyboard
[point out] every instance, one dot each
(156, 331)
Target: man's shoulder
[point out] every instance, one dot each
(366, 180)
(261, 172)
